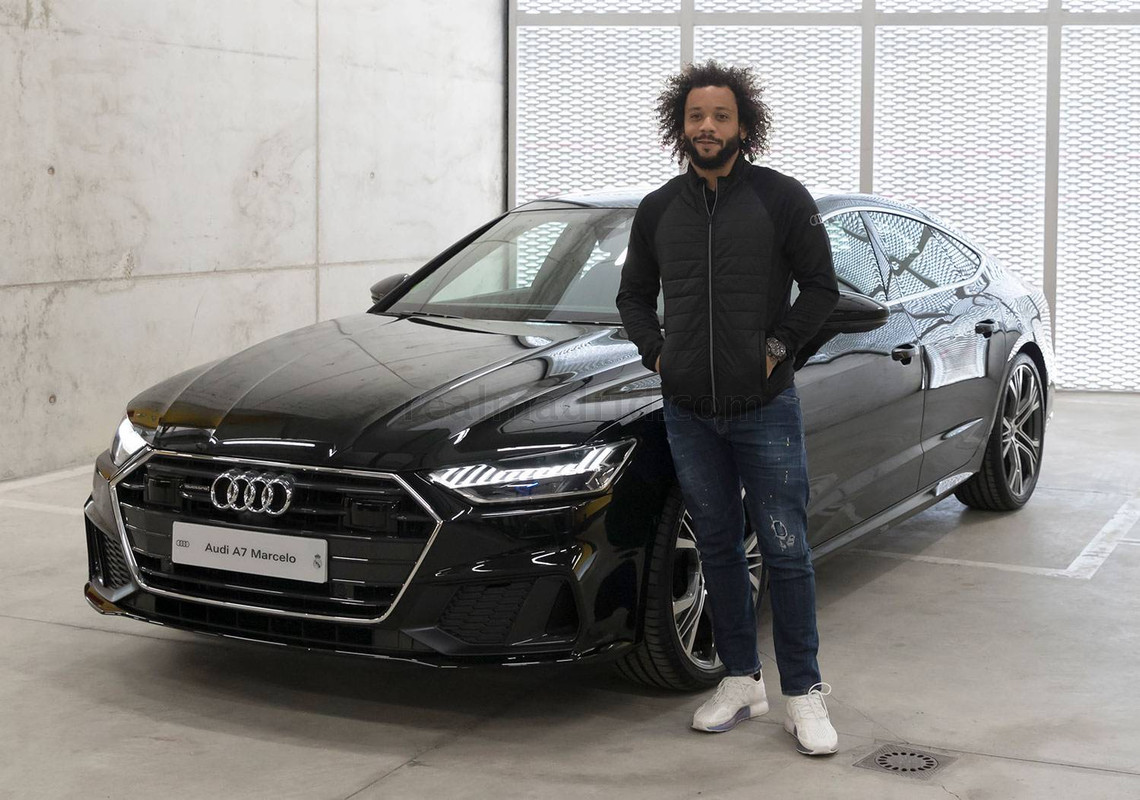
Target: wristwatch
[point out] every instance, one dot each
(777, 349)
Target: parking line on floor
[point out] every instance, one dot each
(27, 506)
(1083, 567)
(961, 562)
(1100, 548)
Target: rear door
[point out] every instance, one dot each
(937, 280)
(862, 407)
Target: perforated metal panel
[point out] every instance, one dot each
(1098, 279)
(960, 131)
(959, 128)
(959, 6)
(814, 101)
(1101, 5)
(778, 5)
(596, 6)
(586, 98)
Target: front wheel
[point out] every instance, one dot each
(1012, 461)
(677, 650)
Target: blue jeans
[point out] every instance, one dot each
(763, 450)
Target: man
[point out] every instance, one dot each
(724, 240)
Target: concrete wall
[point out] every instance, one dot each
(181, 180)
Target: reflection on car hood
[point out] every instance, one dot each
(403, 393)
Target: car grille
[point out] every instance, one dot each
(376, 532)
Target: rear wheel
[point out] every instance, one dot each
(1012, 461)
(677, 650)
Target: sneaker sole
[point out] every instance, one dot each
(800, 745)
(744, 713)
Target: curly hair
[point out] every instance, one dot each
(755, 116)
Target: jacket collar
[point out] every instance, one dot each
(733, 177)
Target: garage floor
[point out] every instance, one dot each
(1009, 643)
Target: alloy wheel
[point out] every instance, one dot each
(692, 614)
(1022, 425)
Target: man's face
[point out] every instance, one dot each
(712, 127)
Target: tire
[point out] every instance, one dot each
(673, 652)
(1016, 445)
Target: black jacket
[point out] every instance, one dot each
(726, 270)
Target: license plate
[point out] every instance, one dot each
(297, 558)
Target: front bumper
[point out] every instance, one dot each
(545, 583)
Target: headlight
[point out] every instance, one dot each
(581, 470)
(129, 439)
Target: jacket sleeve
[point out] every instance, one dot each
(637, 294)
(807, 251)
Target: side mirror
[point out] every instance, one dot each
(384, 286)
(854, 313)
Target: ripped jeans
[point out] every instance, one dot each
(763, 451)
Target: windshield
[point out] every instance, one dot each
(560, 265)
(552, 265)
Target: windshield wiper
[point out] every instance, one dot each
(578, 322)
(406, 314)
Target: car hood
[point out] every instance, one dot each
(398, 393)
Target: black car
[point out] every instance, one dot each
(476, 469)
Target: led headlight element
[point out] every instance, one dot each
(128, 441)
(580, 470)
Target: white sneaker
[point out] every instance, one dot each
(807, 720)
(737, 698)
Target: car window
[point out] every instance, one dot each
(919, 258)
(966, 257)
(554, 264)
(855, 262)
(500, 265)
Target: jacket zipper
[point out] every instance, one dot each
(712, 366)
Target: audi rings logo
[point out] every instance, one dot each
(259, 492)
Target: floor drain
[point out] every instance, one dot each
(902, 759)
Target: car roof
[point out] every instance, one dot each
(630, 197)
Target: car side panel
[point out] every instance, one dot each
(963, 372)
(862, 419)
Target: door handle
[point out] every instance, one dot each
(905, 352)
(986, 328)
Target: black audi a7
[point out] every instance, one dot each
(476, 469)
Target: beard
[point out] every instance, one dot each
(717, 159)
